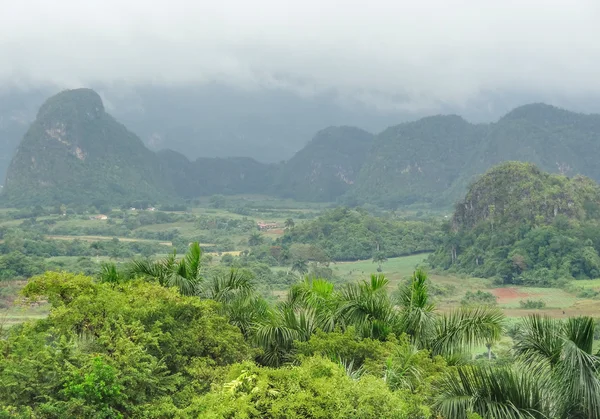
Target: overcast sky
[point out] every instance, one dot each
(421, 51)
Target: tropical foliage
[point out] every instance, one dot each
(524, 226)
(352, 234)
(172, 340)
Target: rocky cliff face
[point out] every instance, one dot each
(75, 152)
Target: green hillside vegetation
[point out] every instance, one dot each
(344, 234)
(326, 167)
(524, 226)
(435, 159)
(416, 161)
(76, 152)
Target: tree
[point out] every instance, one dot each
(367, 306)
(556, 376)
(379, 258)
(448, 333)
(563, 351)
(289, 223)
(185, 274)
(300, 266)
(256, 239)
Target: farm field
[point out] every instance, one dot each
(232, 240)
(559, 302)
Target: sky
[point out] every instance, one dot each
(417, 53)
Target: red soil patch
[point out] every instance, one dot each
(506, 295)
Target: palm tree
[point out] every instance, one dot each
(563, 350)
(367, 306)
(556, 376)
(227, 286)
(255, 239)
(110, 274)
(169, 272)
(318, 295)
(235, 291)
(300, 266)
(492, 393)
(289, 223)
(449, 333)
(310, 305)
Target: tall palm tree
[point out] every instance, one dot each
(367, 306)
(289, 223)
(300, 266)
(318, 295)
(564, 350)
(556, 376)
(495, 393)
(310, 305)
(444, 334)
(235, 291)
(169, 272)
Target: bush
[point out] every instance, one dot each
(478, 298)
(532, 304)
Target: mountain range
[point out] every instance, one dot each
(75, 152)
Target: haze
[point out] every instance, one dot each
(407, 55)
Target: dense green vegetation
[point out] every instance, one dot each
(75, 152)
(326, 167)
(524, 226)
(435, 159)
(346, 234)
(128, 344)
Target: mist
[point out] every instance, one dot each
(409, 55)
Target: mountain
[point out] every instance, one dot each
(416, 161)
(326, 167)
(210, 176)
(434, 159)
(520, 224)
(74, 152)
(17, 110)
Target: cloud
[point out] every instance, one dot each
(415, 54)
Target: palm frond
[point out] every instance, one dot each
(577, 382)
(539, 341)
(466, 327)
(229, 286)
(499, 393)
(192, 260)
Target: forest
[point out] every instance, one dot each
(160, 339)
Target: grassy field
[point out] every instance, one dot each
(97, 238)
(559, 302)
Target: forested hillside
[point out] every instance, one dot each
(435, 159)
(75, 152)
(522, 225)
(417, 161)
(327, 167)
(345, 234)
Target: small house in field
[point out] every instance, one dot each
(99, 217)
(266, 226)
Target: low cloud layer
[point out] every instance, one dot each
(414, 54)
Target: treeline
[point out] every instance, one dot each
(352, 234)
(526, 254)
(163, 339)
